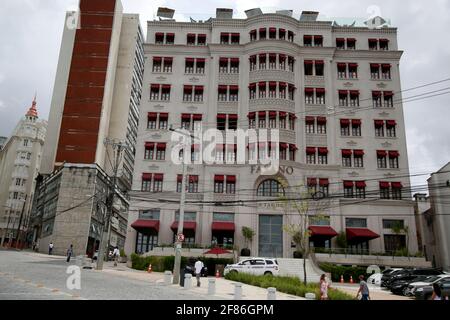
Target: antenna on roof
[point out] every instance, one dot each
(253, 12)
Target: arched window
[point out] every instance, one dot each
(270, 188)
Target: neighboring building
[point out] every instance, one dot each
(3, 142)
(95, 98)
(438, 218)
(20, 159)
(274, 71)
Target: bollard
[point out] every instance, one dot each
(187, 281)
(237, 291)
(310, 296)
(211, 287)
(271, 293)
(167, 278)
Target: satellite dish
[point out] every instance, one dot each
(165, 12)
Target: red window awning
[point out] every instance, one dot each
(190, 59)
(283, 145)
(391, 123)
(149, 145)
(358, 153)
(348, 184)
(388, 93)
(147, 176)
(353, 65)
(219, 178)
(320, 90)
(310, 150)
(396, 185)
(197, 117)
(307, 62)
(234, 88)
(318, 62)
(188, 88)
(226, 59)
(161, 146)
(252, 85)
(322, 231)
(343, 92)
(141, 225)
(376, 93)
(272, 114)
(293, 147)
(381, 153)
(186, 116)
(378, 123)
(222, 226)
(384, 184)
(345, 122)
(393, 154)
(292, 116)
(311, 181)
(232, 117)
(201, 60)
(356, 122)
(223, 87)
(318, 37)
(159, 177)
(360, 184)
(354, 93)
(234, 60)
(324, 182)
(155, 86)
(166, 86)
(232, 179)
(309, 90)
(282, 114)
(251, 115)
(360, 234)
(351, 40)
(282, 85)
(221, 116)
(262, 84)
(187, 225)
(163, 116)
(272, 84)
(157, 59)
(375, 65)
(152, 115)
(262, 114)
(340, 39)
(386, 65)
(346, 152)
(323, 151)
(341, 64)
(168, 59)
(309, 119)
(321, 120)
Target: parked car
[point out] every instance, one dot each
(425, 293)
(387, 274)
(375, 279)
(401, 286)
(407, 274)
(412, 287)
(255, 266)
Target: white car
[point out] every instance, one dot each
(412, 287)
(375, 279)
(255, 266)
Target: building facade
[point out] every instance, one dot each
(95, 108)
(334, 94)
(437, 218)
(20, 159)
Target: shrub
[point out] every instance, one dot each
(337, 271)
(289, 285)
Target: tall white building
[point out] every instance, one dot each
(20, 159)
(334, 94)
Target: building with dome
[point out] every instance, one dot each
(20, 160)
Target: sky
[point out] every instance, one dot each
(31, 31)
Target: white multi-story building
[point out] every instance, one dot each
(334, 94)
(20, 159)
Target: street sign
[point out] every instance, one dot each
(180, 237)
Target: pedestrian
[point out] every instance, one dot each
(324, 285)
(69, 252)
(198, 270)
(116, 255)
(437, 293)
(363, 289)
(50, 248)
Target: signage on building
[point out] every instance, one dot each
(256, 169)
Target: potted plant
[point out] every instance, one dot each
(248, 234)
(123, 256)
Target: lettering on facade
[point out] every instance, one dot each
(256, 169)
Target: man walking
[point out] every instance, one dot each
(363, 289)
(198, 270)
(116, 255)
(50, 248)
(69, 252)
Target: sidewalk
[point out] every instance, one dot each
(224, 288)
(376, 293)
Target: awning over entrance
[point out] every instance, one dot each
(322, 231)
(142, 224)
(187, 225)
(222, 226)
(355, 234)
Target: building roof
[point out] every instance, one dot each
(32, 112)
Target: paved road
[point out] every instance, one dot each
(30, 276)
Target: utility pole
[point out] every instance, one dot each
(178, 243)
(118, 147)
(20, 222)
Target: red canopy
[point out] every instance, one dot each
(322, 231)
(145, 224)
(187, 225)
(217, 251)
(222, 226)
(361, 234)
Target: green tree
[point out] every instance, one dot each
(248, 234)
(399, 228)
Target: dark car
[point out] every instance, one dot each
(387, 275)
(408, 274)
(400, 286)
(425, 293)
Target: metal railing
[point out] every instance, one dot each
(365, 252)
